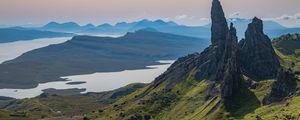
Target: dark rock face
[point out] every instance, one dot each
(212, 56)
(257, 55)
(219, 28)
(218, 63)
(178, 71)
(229, 69)
(283, 87)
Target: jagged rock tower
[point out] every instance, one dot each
(259, 61)
(225, 61)
(225, 40)
(219, 28)
(230, 68)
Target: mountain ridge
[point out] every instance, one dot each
(272, 29)
(20, 33)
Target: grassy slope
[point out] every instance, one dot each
(287, 48)
(55, 107)
(186, 101)
(189, 102)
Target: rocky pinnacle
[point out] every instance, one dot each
(258, 58)
(219, 28)
(229, 69)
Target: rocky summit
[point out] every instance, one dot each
(219, 28)
(259, 61)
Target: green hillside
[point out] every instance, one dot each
(288, 48)
(188, 100)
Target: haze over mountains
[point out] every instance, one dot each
(19, 33)
(54, 29)
(123, 27)
(273, 29)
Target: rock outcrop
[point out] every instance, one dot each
(218, 63)
(225, 61)
(219, 28)
(283, 87)
(229, 70)
(258, 59)
(212, 56)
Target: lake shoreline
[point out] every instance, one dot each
(96, 79)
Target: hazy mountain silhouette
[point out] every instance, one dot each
(20, 33)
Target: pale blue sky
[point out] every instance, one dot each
(189, 12)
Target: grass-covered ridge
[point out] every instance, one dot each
(287, 48)
(288, 44)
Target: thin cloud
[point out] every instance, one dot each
(289, 17)
(180, 17)
(185, 17)
(235, 14)
(284, 17)
(297, 16)
(290, 21)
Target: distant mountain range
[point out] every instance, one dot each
(20, 33)
(87, 54)
(66, 27)
(124, 27)
(273, 29)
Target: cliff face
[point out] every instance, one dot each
(219, 28)
(258, 59)
(218, 63)
(229, 69)
(211, 58)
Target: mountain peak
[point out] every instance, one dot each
(219, 26)
(257, 54)
(53, 22)
(144, 20)
(257, 24)
(71, 24)
(67, 24)
(159, 21)
(89, 25)
(105, 25)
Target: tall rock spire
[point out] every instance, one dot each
(258, 58)
(231, 74)
(219, 27)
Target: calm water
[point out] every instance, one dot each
(97, 82)
(9, 51)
